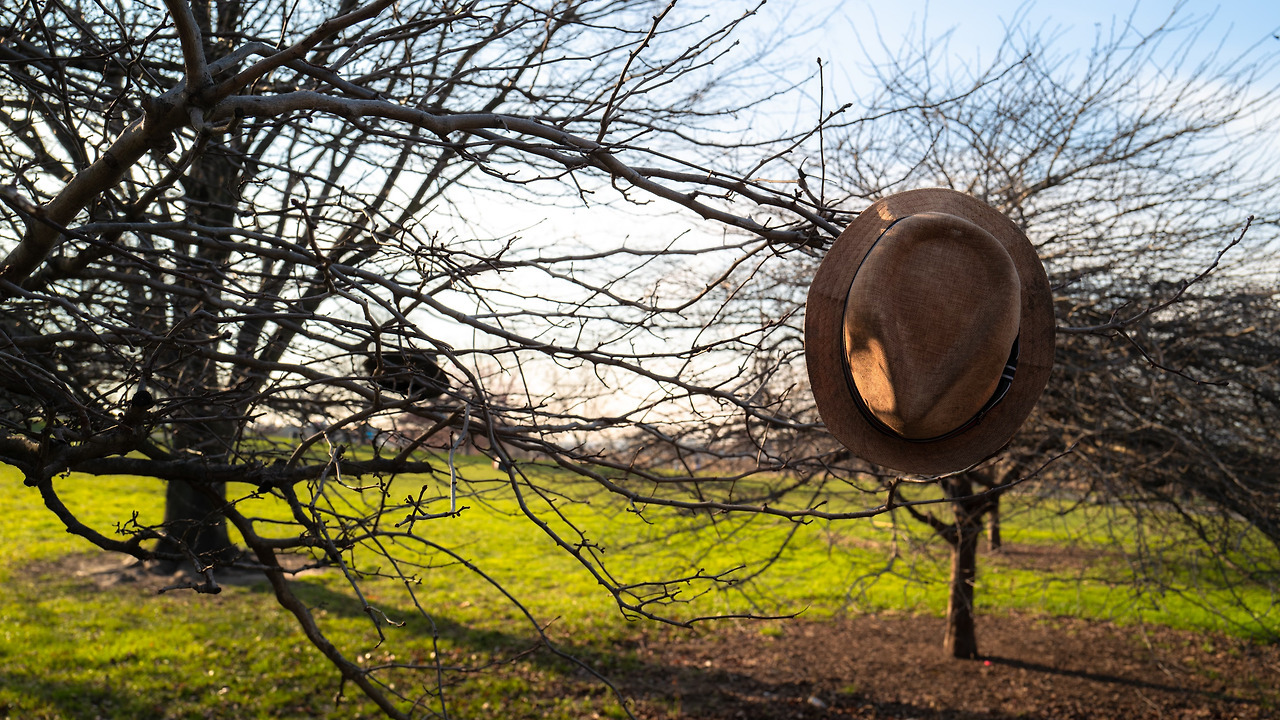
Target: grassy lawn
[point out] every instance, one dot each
(69, 649)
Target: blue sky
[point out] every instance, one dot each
(977, 26)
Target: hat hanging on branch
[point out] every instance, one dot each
(928, 332)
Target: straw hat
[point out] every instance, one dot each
(928, 332)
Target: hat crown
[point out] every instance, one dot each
(929, 321)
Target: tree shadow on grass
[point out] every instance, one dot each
(408, 621)
(717, 673)
(809, 670)
(73, 699)
(654, 688)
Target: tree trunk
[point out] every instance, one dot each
(193, 514)
(993, 525)
(193, 519)
(961, 640)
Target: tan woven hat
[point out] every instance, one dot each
(928, 332)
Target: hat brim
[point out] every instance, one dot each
(824, 340)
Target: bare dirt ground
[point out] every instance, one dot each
(893, 667)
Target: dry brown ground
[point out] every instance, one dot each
(892, 667)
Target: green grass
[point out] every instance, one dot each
(70, 650)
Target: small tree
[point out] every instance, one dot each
(1134, 170)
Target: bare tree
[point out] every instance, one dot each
(1135, 170)
(1138, 171)
(246, 251)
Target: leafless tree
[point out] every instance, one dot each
(221, 218)
(1144, 172)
